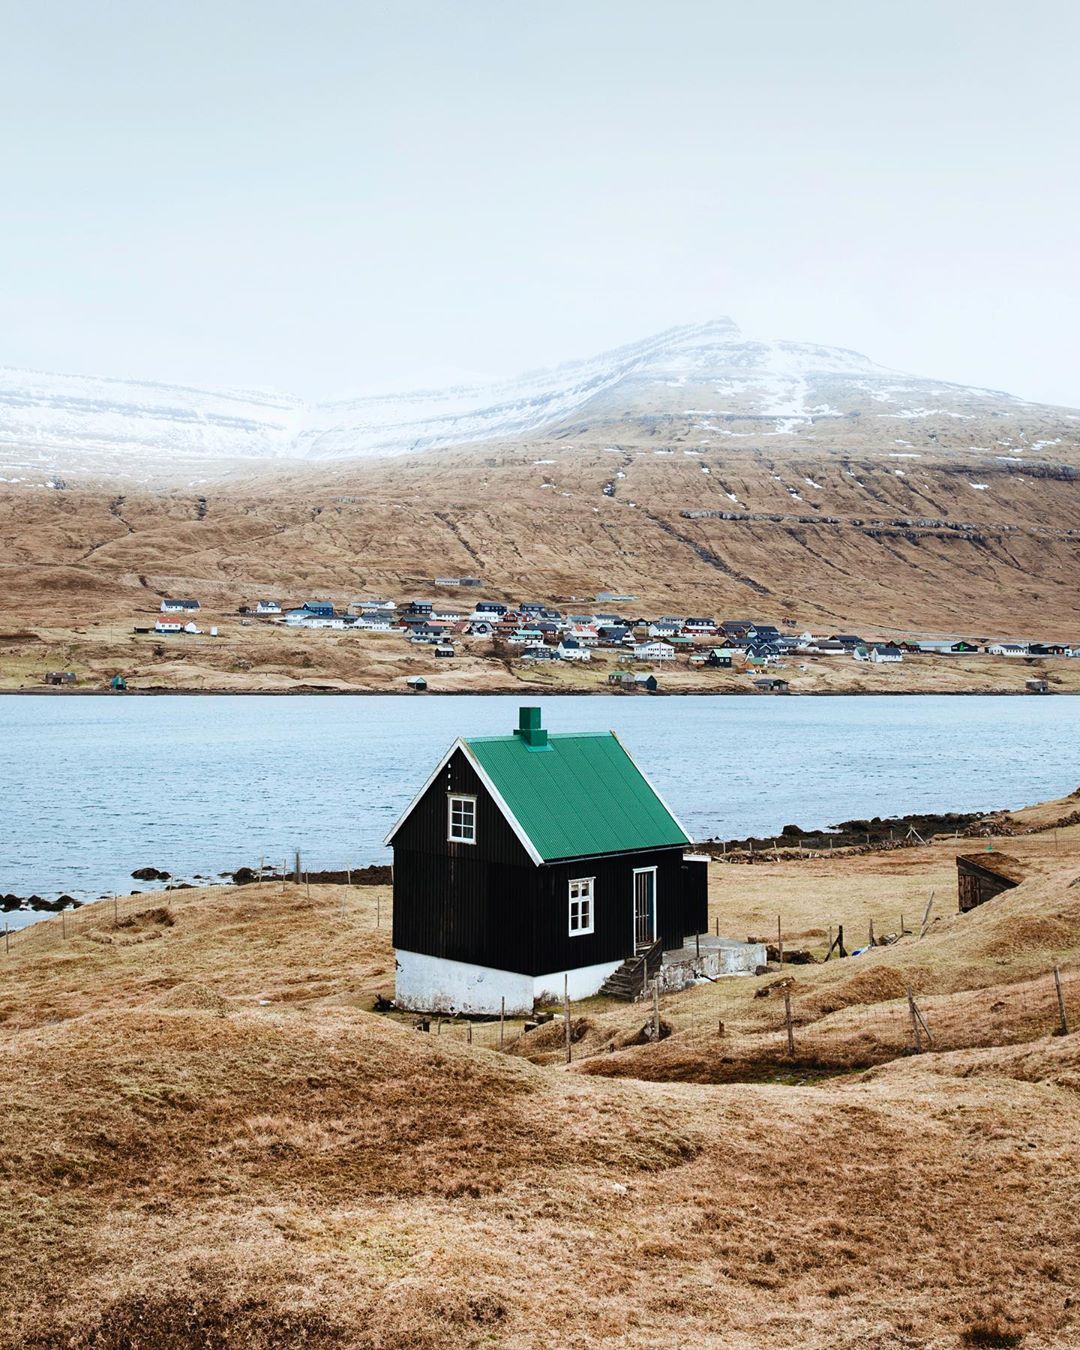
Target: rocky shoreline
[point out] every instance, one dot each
(372, 875)
(874, 835)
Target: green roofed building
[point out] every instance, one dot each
(532, 863)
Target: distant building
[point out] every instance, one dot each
(1008, 649)
(267, 607)
(571, 649)
(885, 653)
(654, 651)
(179, 606)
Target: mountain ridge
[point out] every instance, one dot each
(711, 369)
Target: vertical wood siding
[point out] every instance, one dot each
(488, 904)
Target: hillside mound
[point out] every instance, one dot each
(189, 996)
(292, 1170)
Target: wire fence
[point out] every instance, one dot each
(800, 1023)
(51, 932)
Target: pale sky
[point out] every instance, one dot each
(325, 198)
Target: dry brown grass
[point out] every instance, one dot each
(207, 1141)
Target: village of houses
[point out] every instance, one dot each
(641, 649)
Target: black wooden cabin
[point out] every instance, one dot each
(532, 863)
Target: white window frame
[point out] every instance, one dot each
(451, 799)
(585, 897)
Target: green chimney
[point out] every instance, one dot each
(529, 728)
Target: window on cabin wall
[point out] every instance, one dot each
(581, 906)
(461, 818)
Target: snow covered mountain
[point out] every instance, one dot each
(706, 371)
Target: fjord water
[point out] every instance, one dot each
(93, 787)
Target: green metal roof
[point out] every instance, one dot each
(577, 795)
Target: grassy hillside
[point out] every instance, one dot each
(209, 1140)
(953, 540)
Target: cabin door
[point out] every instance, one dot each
(644, 907)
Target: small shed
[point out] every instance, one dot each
(982, 876)
(59, 677)
(416, 683)
(1037, 686)
(772, 686)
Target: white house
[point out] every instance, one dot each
(700, 626)
(654, 651)
(179, 606)
(570, 649)
(664, 628)
(168, 626)
(267, 607)
(1008, 649)
(373, 623)
(886, 652)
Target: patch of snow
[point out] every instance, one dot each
(979, 487)
(810, 483)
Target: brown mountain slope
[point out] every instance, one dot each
(935, 540)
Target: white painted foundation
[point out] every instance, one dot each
(432, 984)
(711, 956)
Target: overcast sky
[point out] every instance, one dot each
(326, 198)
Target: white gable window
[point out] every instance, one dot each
(461, 818)
(581, 906)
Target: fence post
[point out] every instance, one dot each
(779, 943)
(1063, 1025)
(926, 916)
(115, 913)
(7, 939)
(787, 1019)
(871, 943)
(566, 1014)
(502, 1023)
(914, 1021)
(296, 872)
(378, 909)
(468, 1032)
(656, 1009)
(63, 923)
